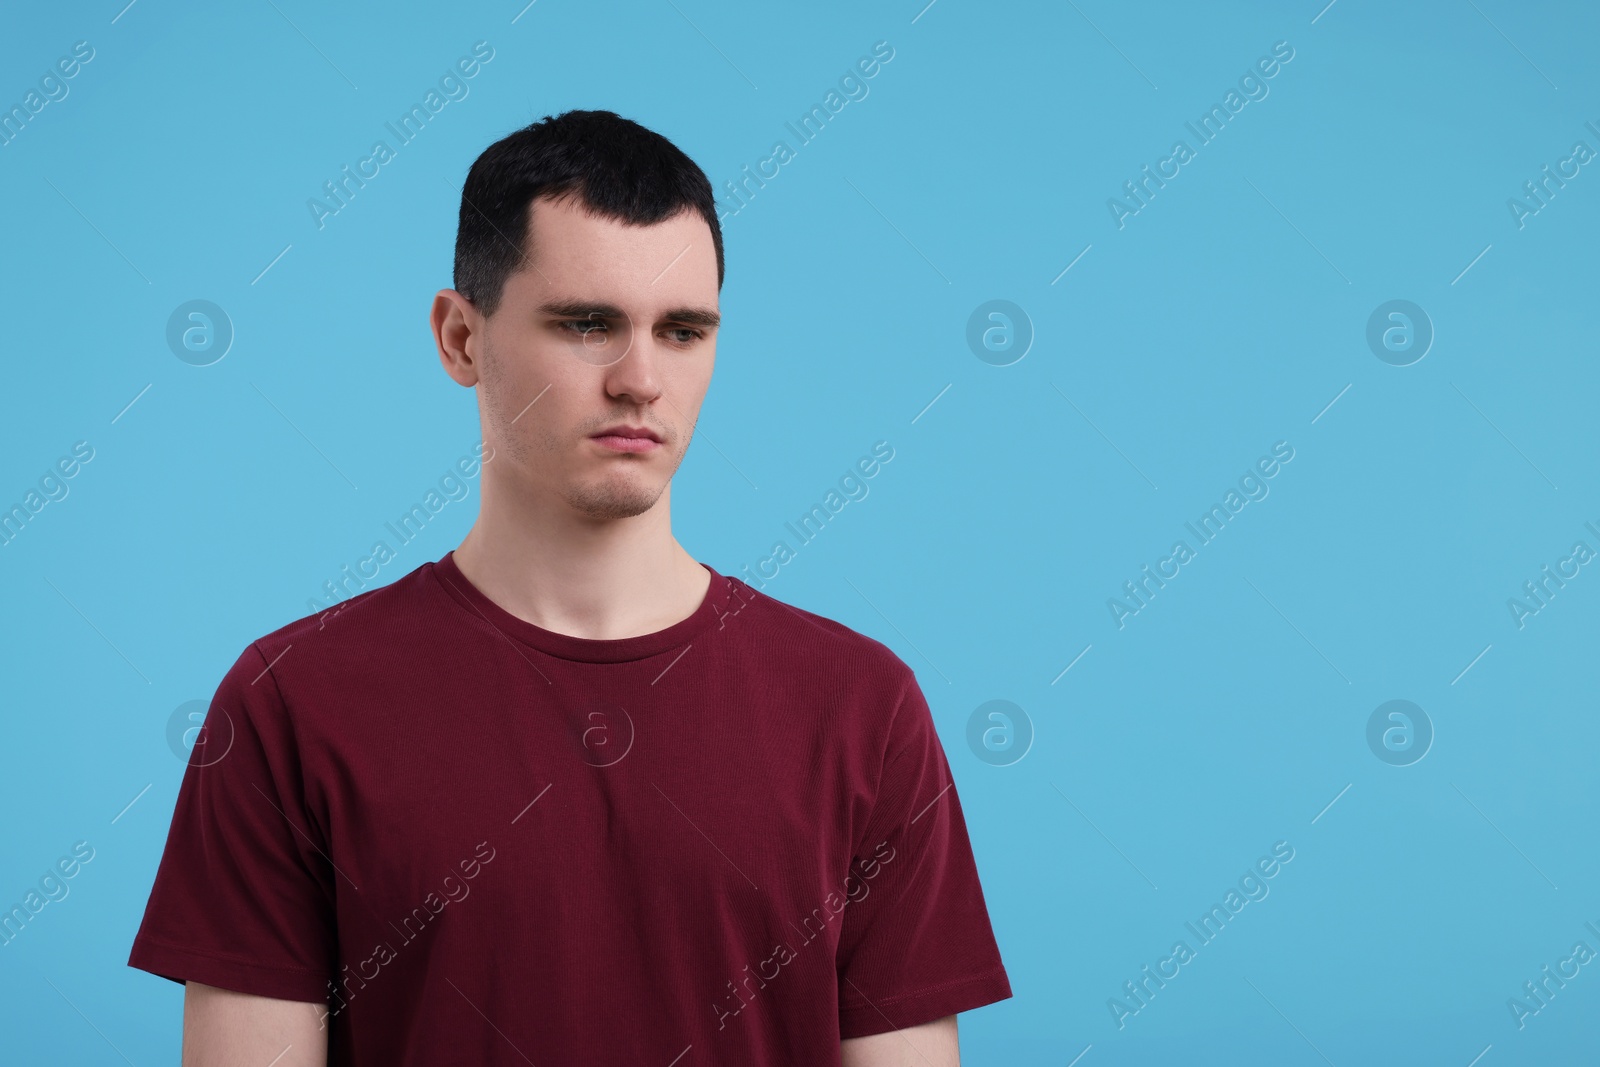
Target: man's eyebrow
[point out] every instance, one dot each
(583, 309)
(693, 317)
(580, 309)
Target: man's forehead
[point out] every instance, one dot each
(570, 247)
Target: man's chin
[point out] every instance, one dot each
(614, 501)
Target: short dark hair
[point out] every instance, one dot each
(617, 168)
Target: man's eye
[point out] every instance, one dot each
(691, 334)
(583, 326)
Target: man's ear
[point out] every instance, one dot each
(458, 334)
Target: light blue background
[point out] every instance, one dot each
(1222, 318)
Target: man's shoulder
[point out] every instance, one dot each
(358, 625)
(818, 636)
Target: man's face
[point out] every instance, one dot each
(605, 325)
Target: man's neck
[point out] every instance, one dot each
(570, 575)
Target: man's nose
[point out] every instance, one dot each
(635, 373)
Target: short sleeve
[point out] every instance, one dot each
(243, 898)
(915, 943)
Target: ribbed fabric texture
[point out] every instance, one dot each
(732, 841)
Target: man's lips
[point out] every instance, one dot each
(628, 439)
(629, 431)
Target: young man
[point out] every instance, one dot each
(567, 795)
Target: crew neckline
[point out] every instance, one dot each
(584, 649)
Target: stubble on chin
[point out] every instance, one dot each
(611, 501)
(620, 494)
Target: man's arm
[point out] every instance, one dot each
(222, 1028)
(929, 1045)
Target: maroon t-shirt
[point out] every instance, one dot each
(473, 840)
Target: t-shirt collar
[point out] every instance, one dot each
(585, 649)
